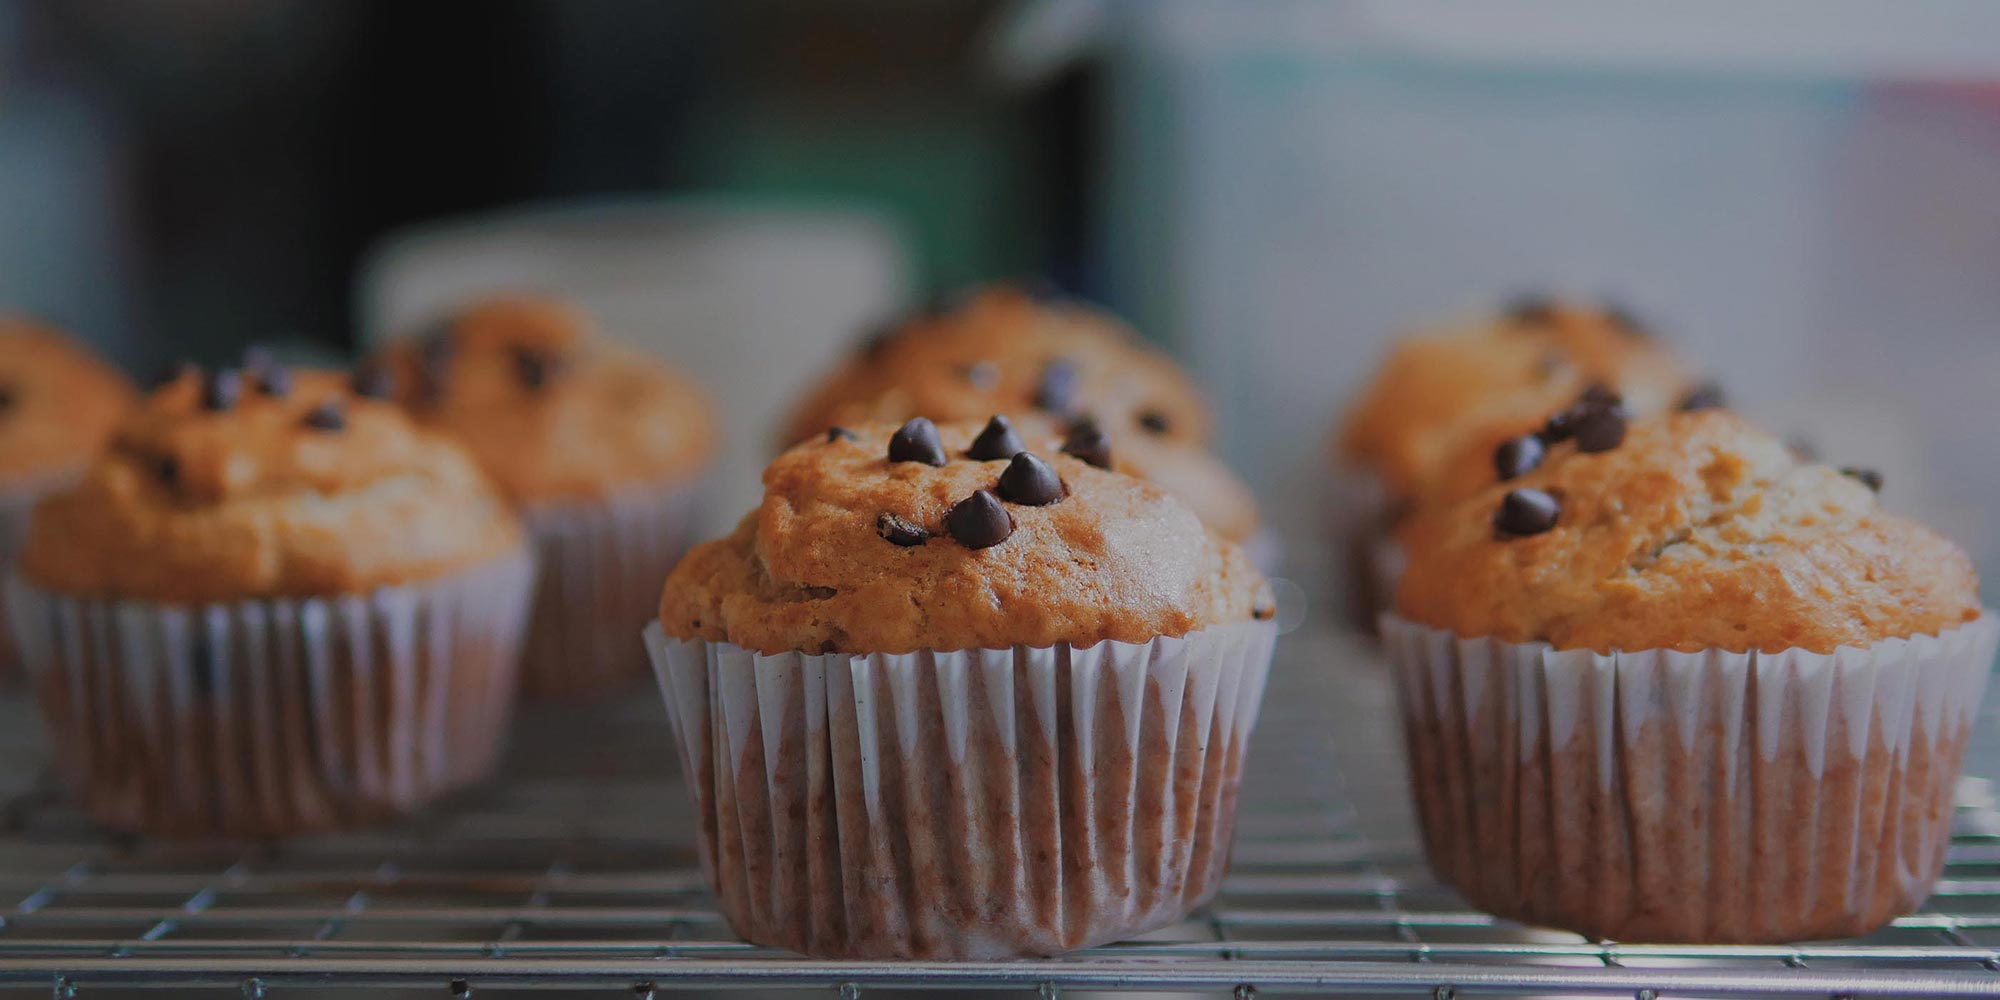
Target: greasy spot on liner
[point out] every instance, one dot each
(979, 521)
(916, 441)
(996, 442)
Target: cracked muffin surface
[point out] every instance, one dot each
(861, 544)
(1697, 532)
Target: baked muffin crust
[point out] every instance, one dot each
(58, 403)
(851, 552)
(1697, 532)
(317, 491)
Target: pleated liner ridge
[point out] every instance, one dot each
(601, 564)
(970, 805)
(280, 716)
(1706, 797)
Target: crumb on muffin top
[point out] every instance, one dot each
(266, 481)
(1436, 391)
(880, 538)
(553, 410)
(1692, 531)
(58, 403)
(1001, 350)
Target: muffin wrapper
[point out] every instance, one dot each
(602, 565)
(16, 505)
(969, 805)
(1709, 797)
(275, 716)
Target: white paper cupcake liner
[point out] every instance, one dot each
(275, 716)
(602, 566)
(978, 804)
(17, 506)
(1708, 797)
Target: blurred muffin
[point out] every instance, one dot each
(1686, 687)
(601, 447)
(1052, 363)
(272, 606)
(918, 566)
(58, 404)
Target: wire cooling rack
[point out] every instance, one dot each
(578, 873)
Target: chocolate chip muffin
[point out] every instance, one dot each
(1686, 686)
(951, 630)
(601, 447)
(58, 404)
(1052, 361)
(1439, 395)
(272, 605)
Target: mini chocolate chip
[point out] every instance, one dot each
(174, 373)
(1031, 482)
(327, 416)
(899, 531)
(1088, 442)
(983, 375)
(1518, 456)
(1526, 512)
(1599, 394)
(1264, 614)
(1706, 396)
(997, 442)
(1155, 421)
(1560, 425)
(222, 389)
(168, 469)
(979, 521)
(1531, 310)
(257, 357)
(1868, 477)
(7, 396)
(916, 441)
(1058, 387)
(536, 367)
(275, 380)
(372, 380)
(840, 434)
(1600, 428)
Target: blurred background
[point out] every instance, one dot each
(1805, 194)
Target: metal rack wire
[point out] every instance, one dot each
(556, 881)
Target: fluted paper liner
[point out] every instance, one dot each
(978, 804)
(276, 716)
(601, 566)
(1708, 797)
(16, 504)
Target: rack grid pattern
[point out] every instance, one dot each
(552, 881)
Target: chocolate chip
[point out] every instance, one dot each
(168, 469)
(275, 380)
(1088, 442)
(257, 357)
(536, 367)
(1058, 387)
(996, 442)
(1868, 477)
(1264, 614)
(1599, 394)
(1706, 396)
(1600, 428)
(983, 375)
(1531, 310)
(916, 441)
(1155, 421)
(899, 531)
(1598, 399)
(1526, 512)
(222, 389)
(327, 416)
(1518, 456)
(1031, 482)
(840, 434)
(174, 373)
(979, 521)
(7, 397)
(373, 381)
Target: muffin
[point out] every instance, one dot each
(935, 702)
(1685, 687)
(1057, 362)
(272, 606)
(58, 405)
(1439, 394)
(602, 450)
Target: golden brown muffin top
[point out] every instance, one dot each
(58, 403)
(554, 411)
(853, 552)
(1696, 532)
(1436, 391)
(1001, 351)
(226, 486)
